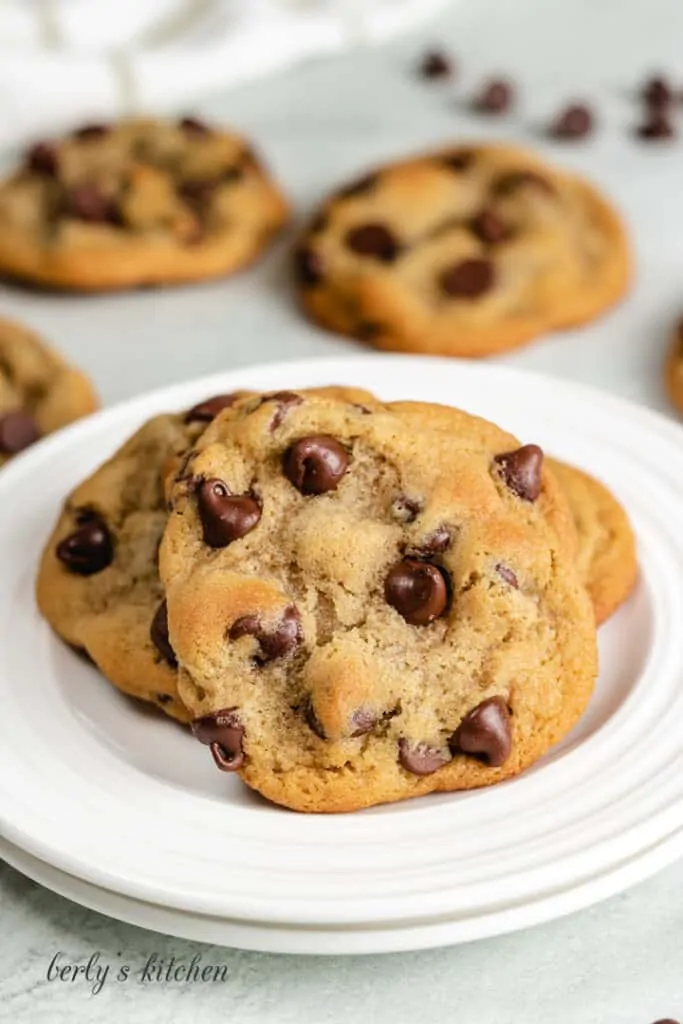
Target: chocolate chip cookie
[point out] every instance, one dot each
(139, 202)
(39, 391)
(606, 556)
(98, 583)
(468, 251)
(673, 369)
(365, 609)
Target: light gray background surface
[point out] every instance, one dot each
(619, 963)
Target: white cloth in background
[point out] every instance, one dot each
(63, 61)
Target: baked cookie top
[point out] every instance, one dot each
(466, 251)
(365, 609)
(39, 391)
(140, 201)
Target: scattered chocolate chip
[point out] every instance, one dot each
(87, 202)
(511, 182)
(460, 160)
(374, 240)
(315, 464)
(308, 266)
(485, 732)
(193, 126)
(522, 470)
(417, 590)
(281, 641)
(435, 64)
(506, 573)
(421, 759)
(89, 549)
(468, 279)
(666, 1020)
(205, 411)
(159, 635)
(225, 517)
(406, 509)
(42, 159)
(574, 122)
(495, 98)
(656, 127)
(363, 721)
(223, 733)
(358, 187)
(489, 227)
(91, 131)
(285, 400)
(434, 543)
(657, 92)
(18, 430)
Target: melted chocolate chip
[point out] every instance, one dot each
(657, 92)
(417, 590)
(42, 159)
(468, 279)
(522, 471)
(495, 98)
(421, 759)
(86, 202)
(158, 632)
(435, 64)
(406, 509)
(89, 549)
(315, 464)
(506, 573)
(374, 240)
(223, 733)
(363, 721)
(485, 732)
(489, 227)
(198, 192)
(225, 517)
(308, 266)
(193, 126)
(434, 543)
(205, 411)
(312, 721)
(460, 160)
(575, 122)
(358, 187)
(285, 400)
(90, 132)
(18, 430)
(279, 641)
(513, 181)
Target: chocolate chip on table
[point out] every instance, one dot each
(41, 158)
(315, 464)
(420, 758)
(468, 279)
(193, 126)
(489, 227)
(205, 411)
(574, 122)
(435, 64)
(223, 733)
(375, 240)
(506, 573)
(18, 430)
(657, 92)
(522, 470)
(225, 517)
(358, 187)
(279, 641)
(89, 549)
(485, 732)
(308, 266)
(495, 98)
(417, 590)
(91, 131)
(656, 127)
(159, 635)
(87, 202)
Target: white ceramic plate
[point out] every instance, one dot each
(131, 805)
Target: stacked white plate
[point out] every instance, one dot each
(123, 811)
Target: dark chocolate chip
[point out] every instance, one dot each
(197, 192)
(164, 698)
(374, 240)
(87, 202)
(358, 187)
(91, 131)
(223, 733)
(406, 509)
(460, 160)
(285, 400)
(495, 98)
(513, 181)
(434, 543)
(417, 590)
(522, 470)
(436, 64)
(87, 550)
(363, 721)
(468, 279)
(205, 411)
(421, 759)
(308, 266)
(159, 635)
(193, 126)
(506, 573)
(313, 722)
(656, 127)
(575, 122)
(485, 732)
(18, 430)
(489, 227)
(315, 464)
(657, 92)
(666, 1020)
(225, 517)
(280, 641)
(42, 159)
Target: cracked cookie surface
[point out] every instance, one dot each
(365, 609)
(39, 391)
(467, 251)
(137, 202)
